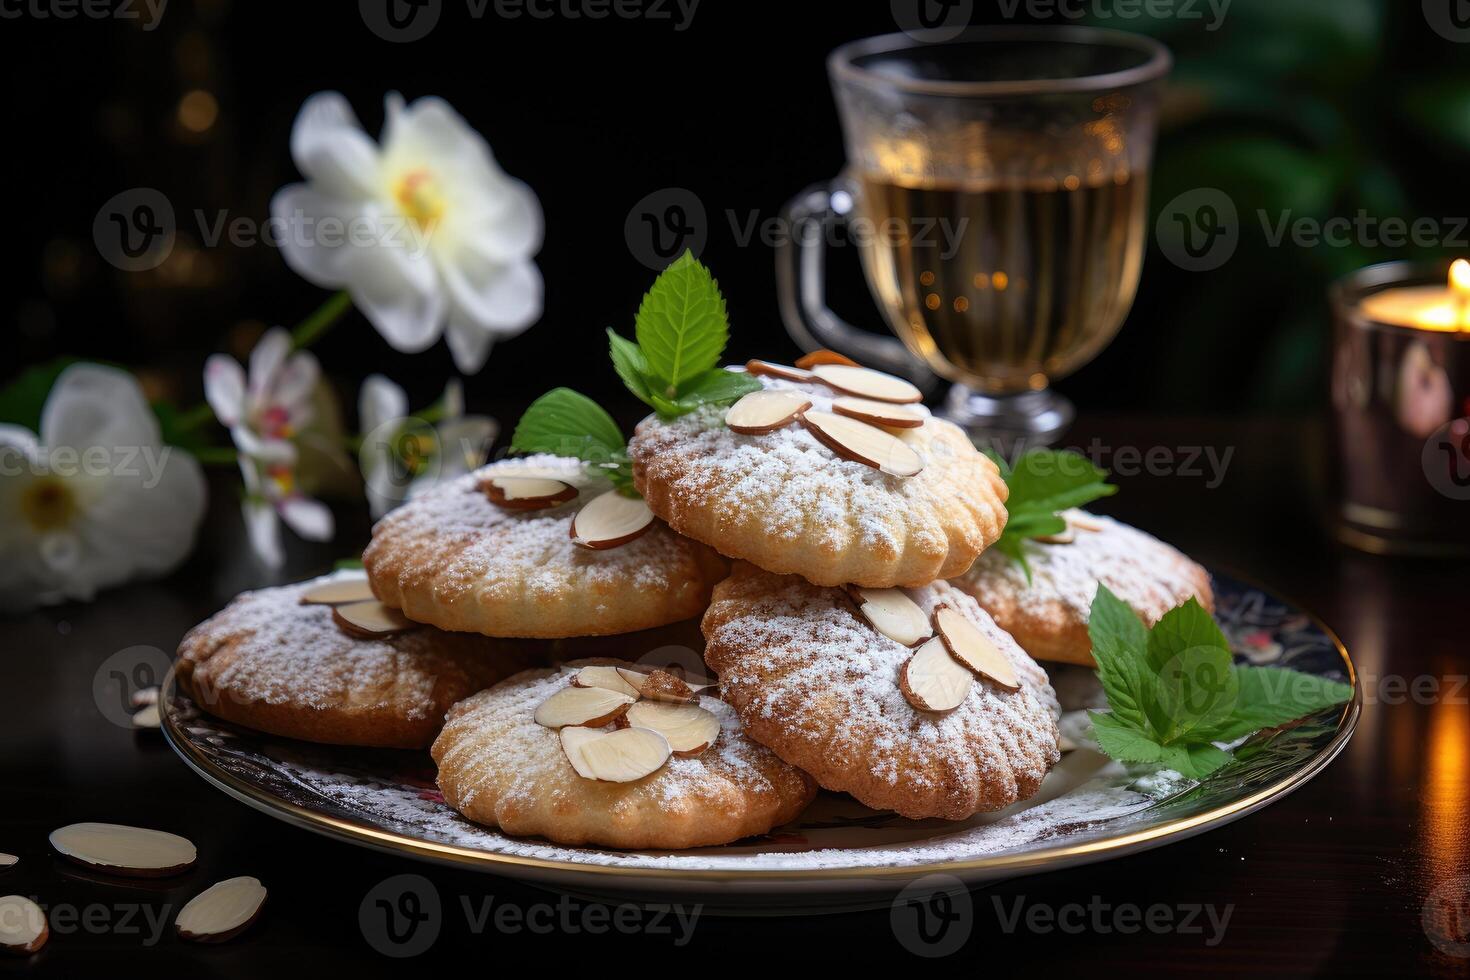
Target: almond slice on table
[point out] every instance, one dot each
(23, 927)
(134, 852)
(370, 620)
(222, 911)
(610, 520)
(337, 592)
(605, 677)
(863, 443)
(147, 717)
(143, 697)
(591, 707)
(824, 356)
(771, 369)
(892, 613)
(614, 757)
(973, 648)
(527, 492)
(931, 680)
(877, 413)
(659, 685)
(765, 411)
(689, 728)
(867, 383)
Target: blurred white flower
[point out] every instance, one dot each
(266, 411)
(403, 456)
(423, 230)
(98, 499)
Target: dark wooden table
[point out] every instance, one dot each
(1333, 879)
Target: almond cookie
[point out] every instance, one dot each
(813, 677)
(833, 486)
(1048, 616)
(493, 552)
(323, 661)
(553, 754)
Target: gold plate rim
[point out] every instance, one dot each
(489, 861)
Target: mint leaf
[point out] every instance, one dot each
(1197, 684)
(566, 423)
(1121, 740)
(1195, 761)
(681, 325)
(1119, 640)
(1013, 547)
(1272, 696)
(715, 386)
(1041, 483)
(1182, 628)
(631, 366)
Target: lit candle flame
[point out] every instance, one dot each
(1426, 307)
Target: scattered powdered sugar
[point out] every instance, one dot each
(1140, 569)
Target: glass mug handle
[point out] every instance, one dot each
(801, 273)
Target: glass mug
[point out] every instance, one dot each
(997, 188)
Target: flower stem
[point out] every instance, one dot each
(217, 455)
(193, 418)
(325, 317)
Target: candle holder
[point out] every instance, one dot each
(1400, 433)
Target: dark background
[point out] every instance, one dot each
(1320, 107)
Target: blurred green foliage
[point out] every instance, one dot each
(1316, 109)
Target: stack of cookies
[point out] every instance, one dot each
(827, 533)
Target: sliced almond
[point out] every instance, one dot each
(892, 613)
(592, 707)
(606, 678)
(527, 492)
(144, 696)
(659, 685)
(222, 911)
(615, 757)
(338, 591)
(147, 717)
(8, 860)
(765, 411)
(973, 648)
(778, 371)
(877, 413)
(867, 383)
(863, 443)
(610, 520)
(689, 728)
(23, 928)
(1065, 536)
(134, 852)
(370, 620)
(1083, 521)
(931, 680)
(809, 361)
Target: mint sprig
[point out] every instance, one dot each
(1042, 483)
(564, 422)
(1174, 691)
(681, 330)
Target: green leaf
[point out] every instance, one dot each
(347, 564)
(1047, 480)
(22, 399)
(1197, 684)
(681, 325)
(566, 423)
(1195, 760)
(714, 387)
(631, 366)
(1182, 628)
(1271, 696)
(1015, 548)
(1121, 740)
(1119, 640)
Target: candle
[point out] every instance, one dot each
(1443, 308)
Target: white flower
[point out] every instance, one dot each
(402, 456)
(98, 499)
(265, 412)
(424, 230)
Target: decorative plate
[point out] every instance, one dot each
(839, 854)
